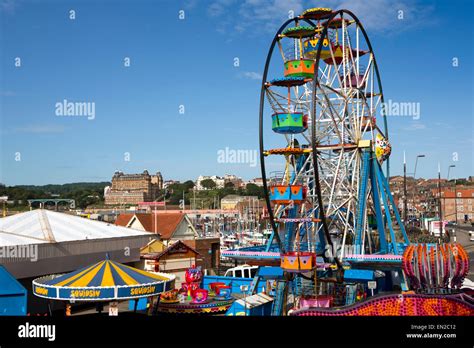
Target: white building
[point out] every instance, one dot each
(220, 181)
(167, 183)
(235, 180)
(256, 181)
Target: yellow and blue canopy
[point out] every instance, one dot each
(104, 280)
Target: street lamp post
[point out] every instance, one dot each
(455, 195)
(405, 203)
(456, 201)
(440, 205)
(449, 169)
(414, 183)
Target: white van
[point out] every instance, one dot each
(243, 271)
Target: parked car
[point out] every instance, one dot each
(244, 271)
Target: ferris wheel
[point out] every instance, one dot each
(329, 140)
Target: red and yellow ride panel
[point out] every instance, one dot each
(398, 305)
(299, 68)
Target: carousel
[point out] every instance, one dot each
(190, 299)
(106, 280)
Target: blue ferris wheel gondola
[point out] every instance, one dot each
(289, 81)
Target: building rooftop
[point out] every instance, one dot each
(164, 224)
(176, 247)
(46, 226)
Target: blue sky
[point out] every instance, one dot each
(190, 62)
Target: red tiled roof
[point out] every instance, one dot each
(164, 224)
(123, 219)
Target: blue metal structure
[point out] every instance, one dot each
(234, 282)
(362, 201)
(13, 296)
(372, 177)
(373, 184)
(254, 305)
(263, 274)
(256, 302)
(280, 297)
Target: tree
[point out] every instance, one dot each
(208, 184)
(188, 185)
(229, 184)
(254, 190)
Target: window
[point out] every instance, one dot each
(253, 272)
(238, 273)
(461, 208)
(459, 194)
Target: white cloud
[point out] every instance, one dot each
(252, 75)
(219, 7)
(7, 94)
(8, 6)
(444, 125)
(190, 4)
(41, 129)
(267, 15)
(383, 15)
(263, 16)
(264, 10)
(415, 126)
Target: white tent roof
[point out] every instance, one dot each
(46, 226)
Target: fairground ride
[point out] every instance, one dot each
(336, 227)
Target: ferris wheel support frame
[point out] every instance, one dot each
(316, 85)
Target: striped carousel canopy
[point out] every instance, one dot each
(104, 280)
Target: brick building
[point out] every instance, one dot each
(421, 197)
(209, 251)
(175, 258)
(236, 202)
(133, 188)
(457, 201)
(173, 227)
